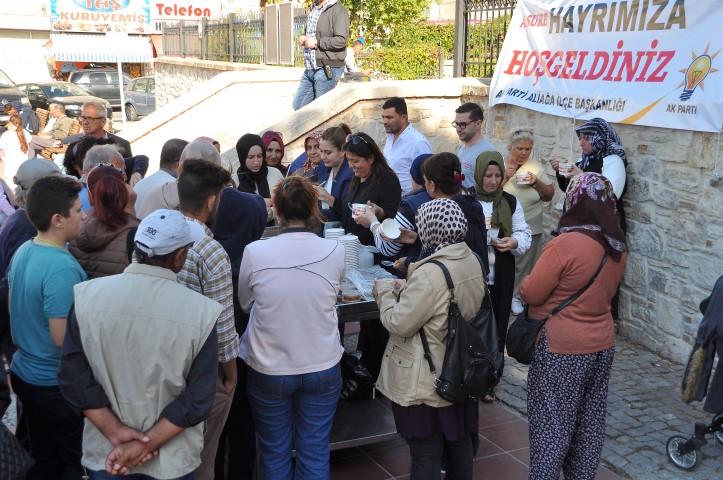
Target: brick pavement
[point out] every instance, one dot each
(644, 410)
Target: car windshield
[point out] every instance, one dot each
(5, 80)
(64, 89)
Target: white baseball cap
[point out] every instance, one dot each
(163, 232)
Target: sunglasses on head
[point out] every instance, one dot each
(356, 139)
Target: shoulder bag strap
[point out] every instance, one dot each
(422, 335)
(577, 294)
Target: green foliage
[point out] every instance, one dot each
(404, 63)
(377, 18)
(418, 34)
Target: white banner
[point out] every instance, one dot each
(637, 62)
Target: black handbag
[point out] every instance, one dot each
(14, 461)
(472, 361)
(522, 334)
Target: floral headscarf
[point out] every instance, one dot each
(604, 140)
(315, 135)
(440, 223)
(591, 208)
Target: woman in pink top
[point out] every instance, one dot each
(568, 378)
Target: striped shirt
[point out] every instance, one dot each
(208, 271)
(390, 248)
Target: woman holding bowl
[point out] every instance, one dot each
(568, 378)
(333, 173)
(508, 237)
(430, 425)
(527, 181)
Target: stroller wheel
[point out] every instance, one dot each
(688, 461)
(719, 437)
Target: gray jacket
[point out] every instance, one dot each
(332, 36)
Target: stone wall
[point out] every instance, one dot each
(675, 221)
(176, 76)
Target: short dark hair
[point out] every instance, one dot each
(198, 181)
(171, 151)
(48, 196)
(397, 103)
(441, 169)
(474, 110)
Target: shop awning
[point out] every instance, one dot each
(101, 48)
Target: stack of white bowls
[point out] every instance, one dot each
(351, 251)
(333, 233)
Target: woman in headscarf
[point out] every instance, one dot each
(429, 424)
(307, 161)
(254, 175)
(603, 153)
(508, 236)
(568, 379)
(274, 150)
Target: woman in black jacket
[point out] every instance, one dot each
(374, 182)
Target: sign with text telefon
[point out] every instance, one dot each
(101, 16)
(637, 62)
(186, 10)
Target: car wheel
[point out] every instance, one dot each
(131, 113)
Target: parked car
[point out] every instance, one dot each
(70, 95)
(140, 97)
(9, 92)
(101, 83)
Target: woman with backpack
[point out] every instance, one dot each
(508, 236)
(104, 246)
(428, 423)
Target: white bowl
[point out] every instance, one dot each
(390, 228)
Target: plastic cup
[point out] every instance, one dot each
(390, 228)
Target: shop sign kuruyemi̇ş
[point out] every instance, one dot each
(638, 62)
(101, 16)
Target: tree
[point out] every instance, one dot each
(377, 18)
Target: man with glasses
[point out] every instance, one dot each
(468, 124)
(92, 120)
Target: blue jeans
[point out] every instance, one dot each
(103, 475)
(303, 403)
(314, 84)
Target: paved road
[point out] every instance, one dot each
(644, 410)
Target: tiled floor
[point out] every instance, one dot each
(503, 453)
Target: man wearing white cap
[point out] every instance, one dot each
(143, 348)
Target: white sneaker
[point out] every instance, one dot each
(517, 306)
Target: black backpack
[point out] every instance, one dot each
(472, 361)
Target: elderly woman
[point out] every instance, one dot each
(307, 161)
(274, 151)
(292, 345)
(527, 181)
(603, 153)
(568, 378)
(508, 236)
(429, 424)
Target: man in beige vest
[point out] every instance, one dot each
(142, 348)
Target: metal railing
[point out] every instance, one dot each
(485, 24)
(234, 38)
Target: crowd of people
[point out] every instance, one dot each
(150, 333)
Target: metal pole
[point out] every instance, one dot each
(122, 95)
(231, 39)
(204, 38)
(460, 32)
(182, 38)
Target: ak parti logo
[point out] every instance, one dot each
(700, 67)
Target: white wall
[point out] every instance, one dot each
(24, 57)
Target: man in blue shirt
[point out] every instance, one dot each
(41, 277)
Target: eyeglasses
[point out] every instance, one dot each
(522, 130)
(122, 171)
(83, 119)
(463, 125)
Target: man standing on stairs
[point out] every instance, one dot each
(324, 40)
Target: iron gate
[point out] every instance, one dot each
(481, 29)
